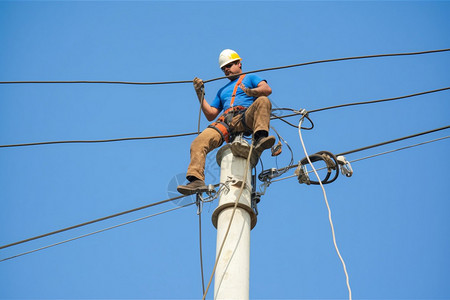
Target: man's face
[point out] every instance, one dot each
(232, 68)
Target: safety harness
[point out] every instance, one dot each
(222, 125)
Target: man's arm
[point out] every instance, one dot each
(263, 89)
(210, 112)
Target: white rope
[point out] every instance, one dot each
(329, 211)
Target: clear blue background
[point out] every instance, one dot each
(391, 217)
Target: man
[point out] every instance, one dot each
(246, 110)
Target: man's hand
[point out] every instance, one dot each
(199, 88)
(249, 92)
(263, 89)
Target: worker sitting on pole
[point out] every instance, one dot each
(246, 110)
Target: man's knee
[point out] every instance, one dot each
(263, 102)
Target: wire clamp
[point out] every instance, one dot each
(346, 167)
(255, 199)
(199, 203)
(302, 111)
(267, 175)
(302, 174)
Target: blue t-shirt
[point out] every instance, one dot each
(223, 97)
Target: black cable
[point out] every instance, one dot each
(378, 154)
(399, 149)
(95, 232)
(361, 103)
(364, 148)
(223, 77)
(100, 141)
(281, 118)
(331, 162)
(194, 133)
(95, 81)
(337, 59)
(393, 141)
(91, 222)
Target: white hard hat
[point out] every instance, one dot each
(227, 56)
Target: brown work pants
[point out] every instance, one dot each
(257, 117)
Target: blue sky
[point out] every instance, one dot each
(390, 217)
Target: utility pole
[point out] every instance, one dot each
(232, 274)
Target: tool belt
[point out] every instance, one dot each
(222, 125)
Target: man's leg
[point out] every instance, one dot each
(204, 143)
(257, 118)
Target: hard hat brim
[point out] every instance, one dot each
(229, 61)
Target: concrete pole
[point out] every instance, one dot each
(232, 274)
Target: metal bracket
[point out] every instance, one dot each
(239, 183)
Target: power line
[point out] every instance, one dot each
(95, 81)
(223, 77)
(393, 141)
(376, 145)
(375, 155)
(399, 149)
(362, 103)
(95, 232)
(91, 222)
(100, 141)
(178, 197)
(337, 59)
(194, 133)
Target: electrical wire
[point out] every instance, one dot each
(358, 103)
(291, 162)
(201, 249)
(399, 149)
(387, 142)
(375, 155)
(195, 133)
(90, 222)
(337, 59)
(95, 232)
(94, 81)
(223, 77)
(395, 140)
(100, 141)
(329, 212)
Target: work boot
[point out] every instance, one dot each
(239, 147)
(263, 144)
(193, 187)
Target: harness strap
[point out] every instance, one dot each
(222, 126)
(223, 129)
(235, 89)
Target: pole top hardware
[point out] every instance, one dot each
(268, 174)
(346, 167)
(331, 166)
(302, 174)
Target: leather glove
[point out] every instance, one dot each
(199, 87)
